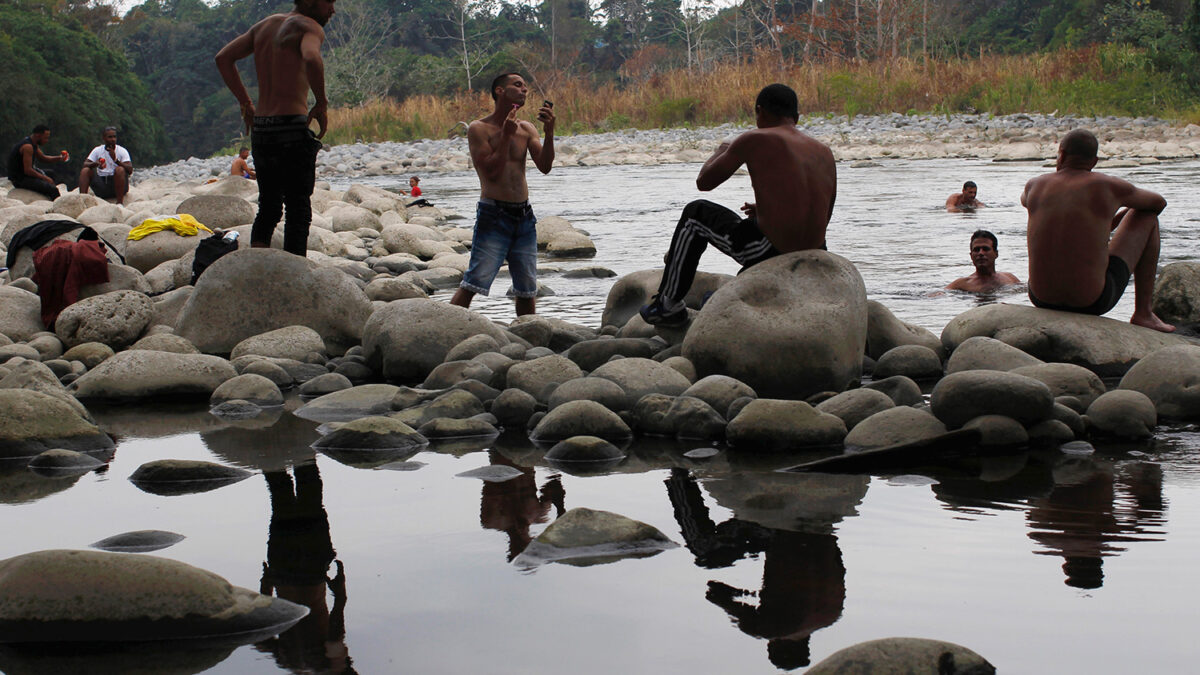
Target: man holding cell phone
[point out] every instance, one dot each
(505, 227)
(107, 169)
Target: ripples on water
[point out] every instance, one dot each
(1041, 562)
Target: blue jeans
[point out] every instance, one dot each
(503, 230)
(285, 157)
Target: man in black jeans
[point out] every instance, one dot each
(287, 57)
(21, 170)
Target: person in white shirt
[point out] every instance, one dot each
(107, 169)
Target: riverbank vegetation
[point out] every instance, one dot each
(407, 69)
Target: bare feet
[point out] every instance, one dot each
(1151, 320)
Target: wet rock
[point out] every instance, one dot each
(535, 376)
(249, 387)
(218, 211)
(289, 342)
(372, 434)
(32, 422)
(886, 332)
(407, 339)
(1107, 347)
(719, 391)
(1050, 432)
(407, 397)
(455, 404)
(1123, 413)
(116, 319)
(584, 449)
(348, 404)
(917, 362)
(894, 426)
(772, 424)
(580, 418)
(1171, 378)
(603, 391)
(1177, 293)
(496, 473)
(903, 655)
(638, 377)
(1000, 431)
(90, 354)
(584, 536)
(274, 372)
(448, 427)
(591, 354)
(236, 409)
(570, 245)
(856, 405)
(325, 384)
(165, 342)
(962, 396)
(95, 596)
(184, 476)
(477, 389)
(633, 290)
(1071, 418)
(37, 376)
(788, 327)
(451, 373)
(682, 417)
(1065, 379)
(140, 541)
(284, 290)
(702, 453)
(59, 462)
(142, 374)
(473, 346)
(514, 407)
(984, 353)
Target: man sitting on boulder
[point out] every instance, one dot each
(107, 169)
(1073, 264)
(985, 248)
(795, 183)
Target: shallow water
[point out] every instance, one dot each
(1041, 562)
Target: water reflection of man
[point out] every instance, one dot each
(513, 506)
(299, 551)
(804, 580)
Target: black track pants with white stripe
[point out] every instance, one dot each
(703, 223)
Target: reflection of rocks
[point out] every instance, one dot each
(585, 537)
(59, 462)
(274, 447)
(32, 422)
(144, 658)
(349, 404)
(141, 541)
(19, 485)
(789, 501)
(904, 655)
(95, 596)
(372, 434)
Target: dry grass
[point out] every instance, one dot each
(1095, 80)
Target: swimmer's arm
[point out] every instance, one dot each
(237, 49)
(314, 69)
(957, 285)
(726, 160)
(952, 203)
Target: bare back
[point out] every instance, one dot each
(1070, 218)
(283, 84)
(795, 184)
(507, 182)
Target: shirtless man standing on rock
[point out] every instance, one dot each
(505, 226)
(287, 59)
(795, 184)
(1073, 264)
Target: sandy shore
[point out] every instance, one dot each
(1024, 137)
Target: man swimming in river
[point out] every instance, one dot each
(1074, 266)
(985, 248)
(964, 201)
(795, 183)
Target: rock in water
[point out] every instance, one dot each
(789, 327)
(904, 655)
(184, 476)
(140, 541)
(584, 536)
(93, 596)
(32, 422)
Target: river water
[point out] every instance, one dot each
(1040, 562)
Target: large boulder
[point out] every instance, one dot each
(250, 292)
(35, 375)
(633, 290)
(961, 397)
(638, 377)
(789, 327)
(73, 204)
(154, 249)
(407, 339)
(116, 319)
(885, 332)
(1107, 347)
(772, 424)
(20, 313)
(348, 404)
(1171, 378)
(140, 374)
(1123, 413)
(1177, 293)
(96, 596)
(218, 211)
(32, 422)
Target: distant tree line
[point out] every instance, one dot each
(378, 49)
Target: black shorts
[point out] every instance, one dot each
(1116, 278)
(103, 187)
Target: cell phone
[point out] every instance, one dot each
(547, 104)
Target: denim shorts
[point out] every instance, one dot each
(503, 230)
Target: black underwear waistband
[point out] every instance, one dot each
(272, 121)
(503, 204)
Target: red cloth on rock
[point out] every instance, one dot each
(61, 268)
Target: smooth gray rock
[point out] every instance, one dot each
(144, 374)
(99, 597)
(139, 541)
(1066, 379)
(449, 427)
(886, 332)
(534, 376)
(985, 353)
(583, 536)
(1051, 432)
(893, 656)
(362, 401)
(638, 377)
(158, 247)
(184, 476)
(473, 346)
(289, 342)
(1177, 293)
(406, 339)
(274, 372)
(601, 390)
(451, 373)
(325, 384)
(773, 424)
(1000, 431)
(513, 408)
(37, 376)
(917, 362)
(116, 319)
(856, 405)
(584, 449)
(894, 426)
(1123, 413)
(580, 418)
(1171, 378)
(682, 417)
(59, 462)
(634, 290)
(719, 391)
(18, 351)
(372, 434)
(166, 342)
(962, 396)
(218, 211)
(90, 354)
(455, 404)
(32, 422)
(249, 387)
(789, 327)
(591, 354)
(48, 347)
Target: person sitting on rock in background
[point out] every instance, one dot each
(413, 188)
(21, 170)
(1074, 266)
(985, 248)
(965, 201)
(795, 183)
(107, 169)
(240, 166)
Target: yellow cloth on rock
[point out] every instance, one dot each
(183, 224)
